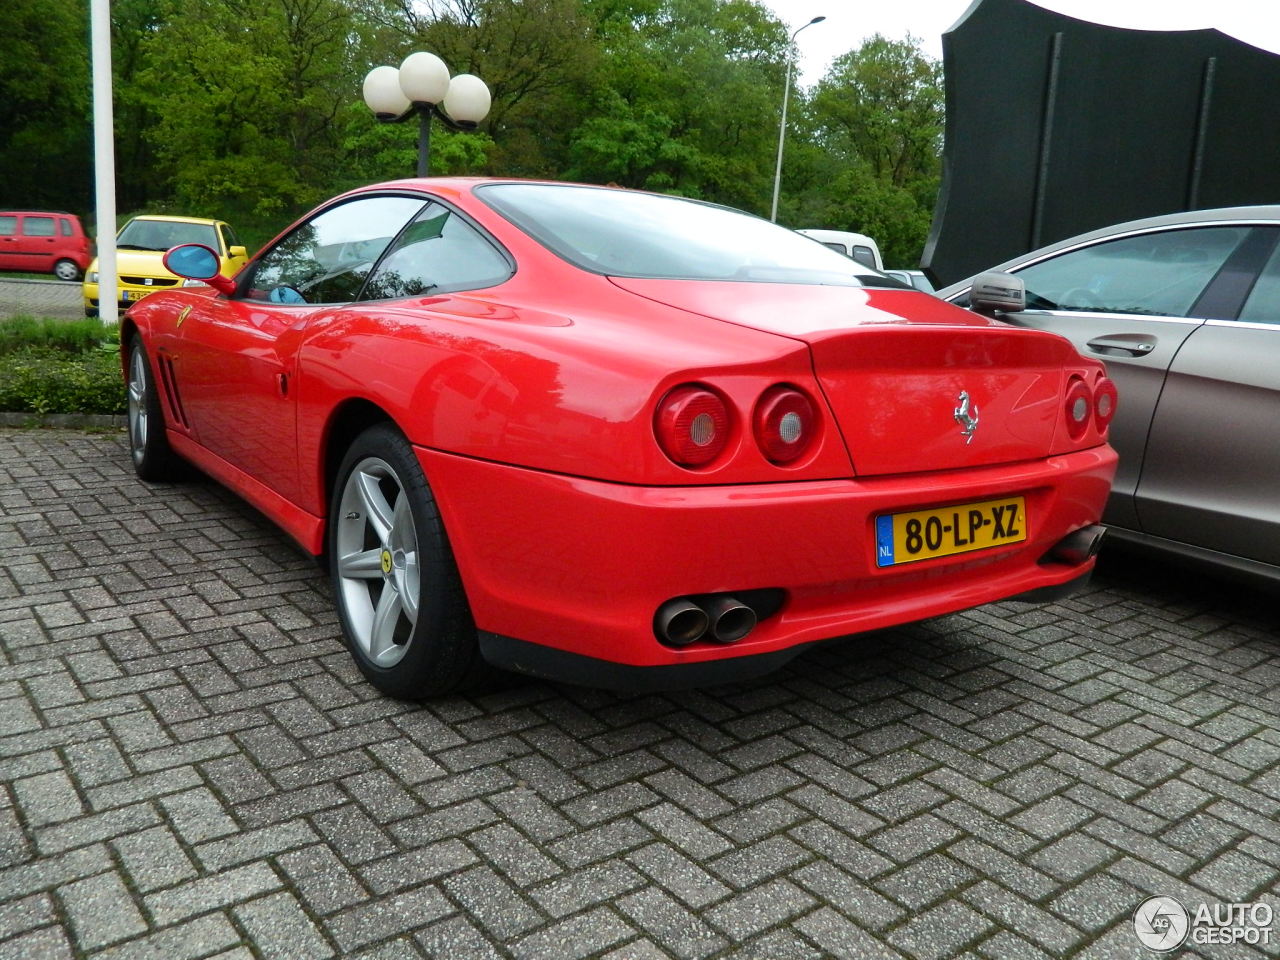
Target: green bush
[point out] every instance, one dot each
(60, 366)
(70, 336)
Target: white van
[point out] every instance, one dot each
(855, 246)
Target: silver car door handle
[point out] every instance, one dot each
(1134, 345)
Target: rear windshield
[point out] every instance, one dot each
(626, 233)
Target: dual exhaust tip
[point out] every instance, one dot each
(1077, 547)
(717, 617)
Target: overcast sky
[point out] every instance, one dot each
(848, 23)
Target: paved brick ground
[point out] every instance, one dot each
(191, 767)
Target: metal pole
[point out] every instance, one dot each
(782, 127)
(782, 135)
(104, 159)
(424, 141)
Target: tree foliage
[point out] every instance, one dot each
(251, 109)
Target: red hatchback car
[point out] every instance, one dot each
(40, 242)
(624, 439)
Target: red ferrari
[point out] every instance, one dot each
(612, 437)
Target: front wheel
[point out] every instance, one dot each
(153, 459)
(399, 595)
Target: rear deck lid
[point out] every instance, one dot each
(915, 383)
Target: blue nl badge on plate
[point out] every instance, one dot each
(884, 541)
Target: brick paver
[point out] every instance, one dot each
(190, 766)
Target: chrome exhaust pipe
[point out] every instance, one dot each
(680, 622)
(1075, 548)
(731, 620)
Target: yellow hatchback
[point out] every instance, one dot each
(141, 245)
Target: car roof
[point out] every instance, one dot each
(847, 235)
(1185, 217)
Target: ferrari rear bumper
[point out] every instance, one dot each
(581, 566)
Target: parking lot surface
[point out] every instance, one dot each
(190, 766)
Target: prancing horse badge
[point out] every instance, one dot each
(967, 416)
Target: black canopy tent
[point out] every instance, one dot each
(1056, 126)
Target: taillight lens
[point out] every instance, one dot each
(692, 425)
(1078, 408)
(1104, 403)
(785, 424)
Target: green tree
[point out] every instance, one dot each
(687, 100)
(877, 117)
(245, 94)
(537, 56)
(883, 104)
(44, 105)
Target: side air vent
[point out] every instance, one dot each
(170, 382)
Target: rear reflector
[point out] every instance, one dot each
(1078, 408)
(1104, 403)
(785, 424)
(692, 425)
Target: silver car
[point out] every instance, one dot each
(1184, 309)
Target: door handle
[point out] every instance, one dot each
(1130, 344)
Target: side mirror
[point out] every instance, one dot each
(195, 261)
(238, 252)
(997, 292)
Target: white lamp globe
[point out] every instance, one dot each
(468, 99)
(424, 78)
(382, 92)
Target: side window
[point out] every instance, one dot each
(1159, 274)
(837, 247)
(327, 259)
(1263, 305)
(37, 226)
(8, 226)
(438, 252)
(65, 225)
(228, 237)
(864, 256)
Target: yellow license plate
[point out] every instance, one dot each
(134, 294)
(924, 534)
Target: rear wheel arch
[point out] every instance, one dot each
(348, 420)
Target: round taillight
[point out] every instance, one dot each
(1078, 408)
(692, 425)
(1104, 403)
(785, 424)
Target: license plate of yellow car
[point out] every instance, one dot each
(944, 531)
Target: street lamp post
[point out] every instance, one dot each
(422, 86)
(782, 129)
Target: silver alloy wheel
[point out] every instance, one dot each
(137, 404)
(66, 270)
(379, 580)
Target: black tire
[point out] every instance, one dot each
(66, 270)
(153, 459)
(400, 600)
(90, 311)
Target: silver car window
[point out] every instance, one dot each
(1158, 274)
(327, 259)
(439, 252)
(1263, 305)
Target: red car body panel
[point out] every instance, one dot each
(582, 565)
(531, 405)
